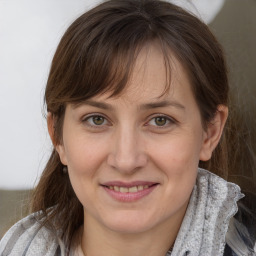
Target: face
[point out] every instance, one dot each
(133, 159)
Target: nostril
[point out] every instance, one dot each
(127, 162)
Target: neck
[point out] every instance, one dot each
(97, 238)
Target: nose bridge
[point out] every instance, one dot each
(128, 152)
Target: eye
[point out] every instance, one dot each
(96, 120)
(161, 121)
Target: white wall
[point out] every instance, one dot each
(29, 33)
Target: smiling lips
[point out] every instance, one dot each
(129, 192)
(133, 189)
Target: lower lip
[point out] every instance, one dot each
(129, 197)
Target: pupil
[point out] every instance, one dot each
(160, 121)
(98, 120)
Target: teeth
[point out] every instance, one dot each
(124, 190)
(140, 188)
(133, 189)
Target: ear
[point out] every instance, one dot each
(51, 130)
(213, 133)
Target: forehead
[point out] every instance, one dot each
(155, 77)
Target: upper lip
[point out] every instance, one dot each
(128, 184)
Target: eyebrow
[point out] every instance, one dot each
(161, 104)
(146, 106)
(96, 104)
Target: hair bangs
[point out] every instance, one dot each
(101, 57)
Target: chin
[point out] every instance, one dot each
(129, 223)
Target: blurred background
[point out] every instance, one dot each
(29, 34)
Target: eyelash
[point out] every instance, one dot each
(168, 121)
(90, 124)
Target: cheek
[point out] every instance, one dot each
(178, 159)
(84, 155)
(84, 161)
(178, 153)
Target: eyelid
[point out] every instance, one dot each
(85, 118)
(168, 118)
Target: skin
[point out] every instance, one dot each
(128, 143)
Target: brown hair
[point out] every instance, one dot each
(97, 54)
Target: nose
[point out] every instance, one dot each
(127, 153)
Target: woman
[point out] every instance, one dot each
(137, 99)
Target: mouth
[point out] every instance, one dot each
(133, 189)
(129, 192)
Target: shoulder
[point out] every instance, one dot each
(29, 237)
(241, 234)
(240, 231)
